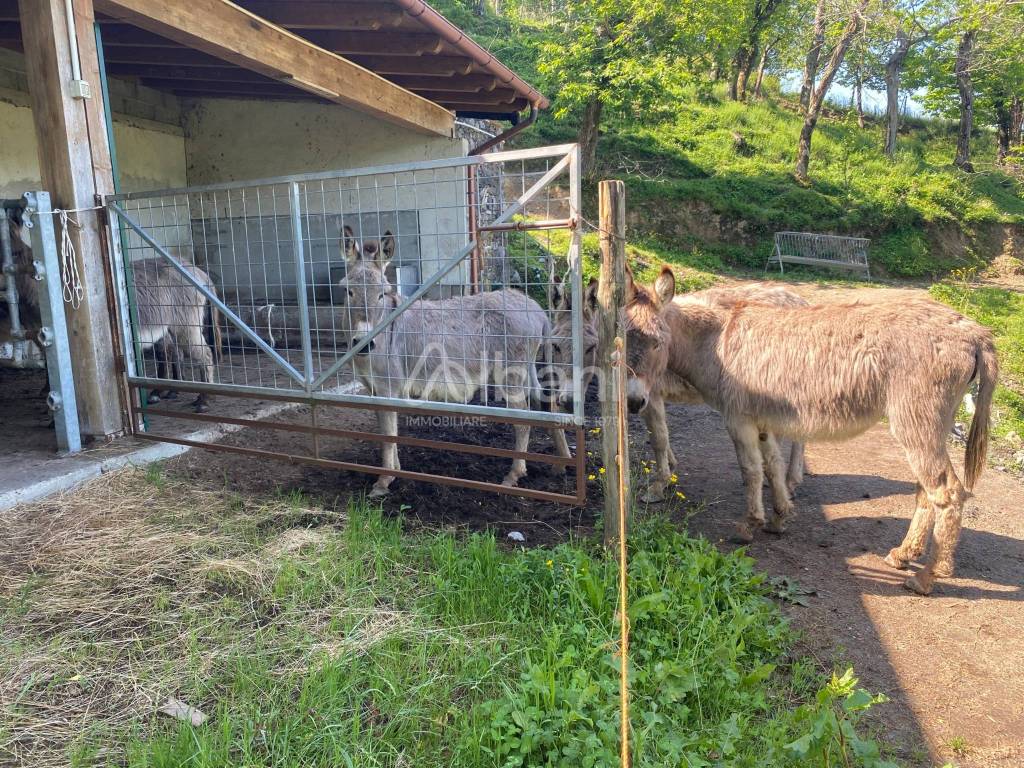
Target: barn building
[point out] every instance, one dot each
(123, 96)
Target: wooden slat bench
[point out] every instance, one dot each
(820, 251)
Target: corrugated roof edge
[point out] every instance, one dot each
(454, 36)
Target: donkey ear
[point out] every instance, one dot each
(630, 293)
(387, 247)
(560, 298)
(349, 245)
(590, 298)
(665, 285)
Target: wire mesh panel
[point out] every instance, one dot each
(426, 284)
(820, 250)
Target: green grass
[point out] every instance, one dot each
(915, 207)
(319, 638)
(1001, 310)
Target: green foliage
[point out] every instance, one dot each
(366, 645)
(831, 736)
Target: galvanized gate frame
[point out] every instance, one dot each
(308, 390)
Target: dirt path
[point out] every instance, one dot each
(950, 663)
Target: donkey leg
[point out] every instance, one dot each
(657, 428)
(795, 470)
(387, 422)
(745, 438)
(947, 497)
(920, 531)
(561, 448)
(782, 506)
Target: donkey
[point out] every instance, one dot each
(171, 313)
(827, 373)
(672, 389)
(443, 350)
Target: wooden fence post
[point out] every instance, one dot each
(610, 299)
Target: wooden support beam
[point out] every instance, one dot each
(186, 73)
(502, 96)
(467, 83)
(74, 161)
(389, 42)
(327, 14)
(160, 57)
(226, 31)
(267, 86)
(422, 65)
(611, 297)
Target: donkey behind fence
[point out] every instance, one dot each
(829, 373)
(445, 350)
(170, 314)
(673, 389)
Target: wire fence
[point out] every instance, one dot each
(423, 282)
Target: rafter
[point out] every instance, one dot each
(228, 32)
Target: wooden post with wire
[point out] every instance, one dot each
(611, 294)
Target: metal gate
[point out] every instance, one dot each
(245, 290)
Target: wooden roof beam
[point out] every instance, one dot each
(328, 14)
(415, 65)
(467, 83)
(228, 32)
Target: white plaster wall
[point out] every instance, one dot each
(241, 140)
(151, 155)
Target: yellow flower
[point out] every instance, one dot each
(595, 431)
(591, 477)
(550, 564)
(647, 470)
(680, 495)
(601, 471)
(674, 478)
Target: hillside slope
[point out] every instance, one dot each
(718, 177)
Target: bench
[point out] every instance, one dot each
(820, 251)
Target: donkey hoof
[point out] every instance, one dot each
(153, 398)
(511, 481)
(200, 407)
(920, 586)
(943, 570)
(743, 534)
(377, 492)
(171, 395)
(893, 560)
(776, 525)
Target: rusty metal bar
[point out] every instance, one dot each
(476, 485)
(316, 430)
(524, 226)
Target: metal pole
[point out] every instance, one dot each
(53, 336)
(300, 286)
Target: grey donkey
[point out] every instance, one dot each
(444, 350)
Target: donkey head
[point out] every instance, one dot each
(647, 337)
(561, 338)
(364, 291)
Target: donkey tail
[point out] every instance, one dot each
(977, 440)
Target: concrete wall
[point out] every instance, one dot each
(428, 212)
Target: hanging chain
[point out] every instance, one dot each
(72, 289)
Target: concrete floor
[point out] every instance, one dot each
(31, 468)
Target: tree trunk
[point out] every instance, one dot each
(760, 71)
(893, 71)
(743, 71)
(966, 89)
(811, 62)
(858, 96)
(1016, 120)
(588, 136)
(1003, 129)
(817, 96)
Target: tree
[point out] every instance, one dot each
(747, 52)
(816, 98)
(965, 88)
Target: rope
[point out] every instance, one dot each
(597, 228)
(618, 359)
(72, 280)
